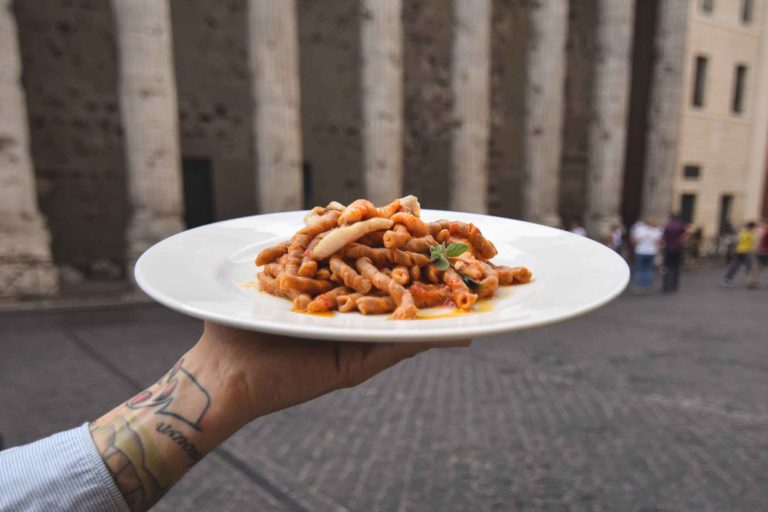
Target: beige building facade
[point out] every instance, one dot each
(721, 157)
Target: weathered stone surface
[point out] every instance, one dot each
(608, 129)
(382, 91)
(70, 80)
(508, 77)
(214, 94)
(664, 111)
(25, 257)
(331, 101)
(544, 97)
(428, 27)
(471, 90)
(273, 52)
(149, 114)
(577, 114)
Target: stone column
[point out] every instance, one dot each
(382, 61)
(149, 112)
(274, 62)
(665, 110)
(26, 267)
(471, 90)
(545, 81)
(608, 130)
(757, 170)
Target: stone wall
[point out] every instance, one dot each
(331, 119)
(69, 75)
(215, 101)
(580, 56)
(428, 35)
(508, 58)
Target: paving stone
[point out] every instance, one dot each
(652, 403)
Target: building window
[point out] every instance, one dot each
(746, 11)
(198, 191)
(687, 207)
(739, 80)
(691, 172)
(726, 205)
(699, 77)
(706, 6)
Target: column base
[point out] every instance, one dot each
(27, 279)
(599, 228)
(26, 267)
(551, 219)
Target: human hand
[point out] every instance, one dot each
(264, 373)
(227, 379)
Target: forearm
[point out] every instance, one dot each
(150, 441)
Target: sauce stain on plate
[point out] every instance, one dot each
(327, 314)
(481, 306)
(248, 284)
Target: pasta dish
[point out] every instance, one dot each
(383, 260)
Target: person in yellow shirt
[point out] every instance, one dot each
(745, 248)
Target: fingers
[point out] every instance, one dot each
(376, 357)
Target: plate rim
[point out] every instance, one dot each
(346, 334)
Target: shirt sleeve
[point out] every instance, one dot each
(61, 472)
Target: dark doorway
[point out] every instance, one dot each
(726, 205)
(198, 192)
(687, 207)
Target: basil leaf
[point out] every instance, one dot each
(442, 264)
(455, 250)
(436, 252)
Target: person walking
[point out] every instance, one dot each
(674, 236)
(578, 229)
(745, 243)
(761, 259)
(646, 237)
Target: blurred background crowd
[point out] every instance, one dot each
(124, 122)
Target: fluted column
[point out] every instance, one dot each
(274, 61)
(149, 112)
(26, 267)
(665, 109)
(382, 61)
(608, 131)
(545, 81)
(471, 90)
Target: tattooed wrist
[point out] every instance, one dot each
(180, 439)
(178, 394)
(151, 440)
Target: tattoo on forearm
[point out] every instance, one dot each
(126, 457)
(196, 397)
(142, 470)
(180, 439)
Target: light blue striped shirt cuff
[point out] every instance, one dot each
(61, 472)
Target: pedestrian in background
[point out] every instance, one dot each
(577, 229)
(728, 240)
(674, 236)
(646, 237)
(616, 238)
(761, 259)
(745, 247)
(694, 244)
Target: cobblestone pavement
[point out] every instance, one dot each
(652, 403)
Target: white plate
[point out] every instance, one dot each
(205, 272)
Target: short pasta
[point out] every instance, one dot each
(360, 258)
